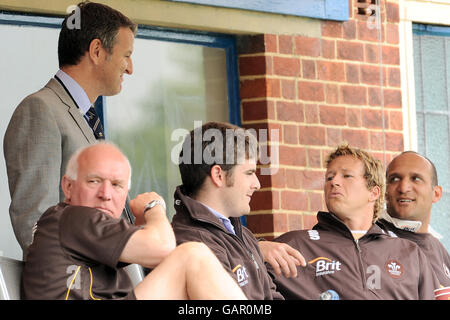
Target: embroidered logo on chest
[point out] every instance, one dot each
(394, 268)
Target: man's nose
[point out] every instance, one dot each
(104, 191)
(404, 185)
(335, 180)
(129, 69)
(256, 184)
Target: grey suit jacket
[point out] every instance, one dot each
(44, 131)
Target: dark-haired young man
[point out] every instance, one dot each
(81, 245)
(218, 171)
(49, 125)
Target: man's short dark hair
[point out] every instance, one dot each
(214, 143)
(97, 21)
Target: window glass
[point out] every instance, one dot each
(27, 63)
(172, 86)
(432, 79)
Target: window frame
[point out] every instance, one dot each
(207, 39)
(414, 11)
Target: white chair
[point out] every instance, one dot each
(136, 273)
(10, 278)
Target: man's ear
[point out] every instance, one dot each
(66, 185)
(217, 176)
(375, 193)
(437, 193)
(96, 51)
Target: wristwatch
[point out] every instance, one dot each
(153, 203)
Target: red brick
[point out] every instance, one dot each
(313, 180)
(356, 138)
(289, 111)
(370, 74)
(332, 93)
(354, 117)
(366, 33)
(330, 71)
(316, 201)
(333, 115)
(372, 53)
(334, 136)
(394, 141)
(280, 222)
(391, 55)
(312, 135)
(314, 159)
(309, 69)
(295, 221)
(293, 179)
(292, 156)
(264, 200)
(309, 221)
(273, 88)
(331, 29)
(372, 119)
(285, 44)
(250, 44)
(392, 98)
(376, 140)
(307, 46)
(392, 12)
(278, 180)
(286, 66)
(396, 120)
(354, 95)
(312, 113)
(258, 110)
(255, 65)
(265, 180)
(288, 89)
(271, 43)
(392, 33)
(394, 77)
(374, 96)
(294, 200)
(260, 223)
(349, 28)
(253, 88)
(352, 72)
(290, 134)
(348, 50)
(328, 49)
(272, 131)
(311, 91)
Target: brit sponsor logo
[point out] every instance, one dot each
(325, 266)
(241, 274)
(394, 268)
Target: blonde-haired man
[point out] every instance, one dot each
(348, 256)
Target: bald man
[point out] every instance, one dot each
(81, 245)
(412, 189)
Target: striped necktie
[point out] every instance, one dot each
(94, 122)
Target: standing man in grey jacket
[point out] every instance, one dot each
(94, 52)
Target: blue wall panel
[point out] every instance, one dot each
(321, 9)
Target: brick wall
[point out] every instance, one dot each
(319, 92)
